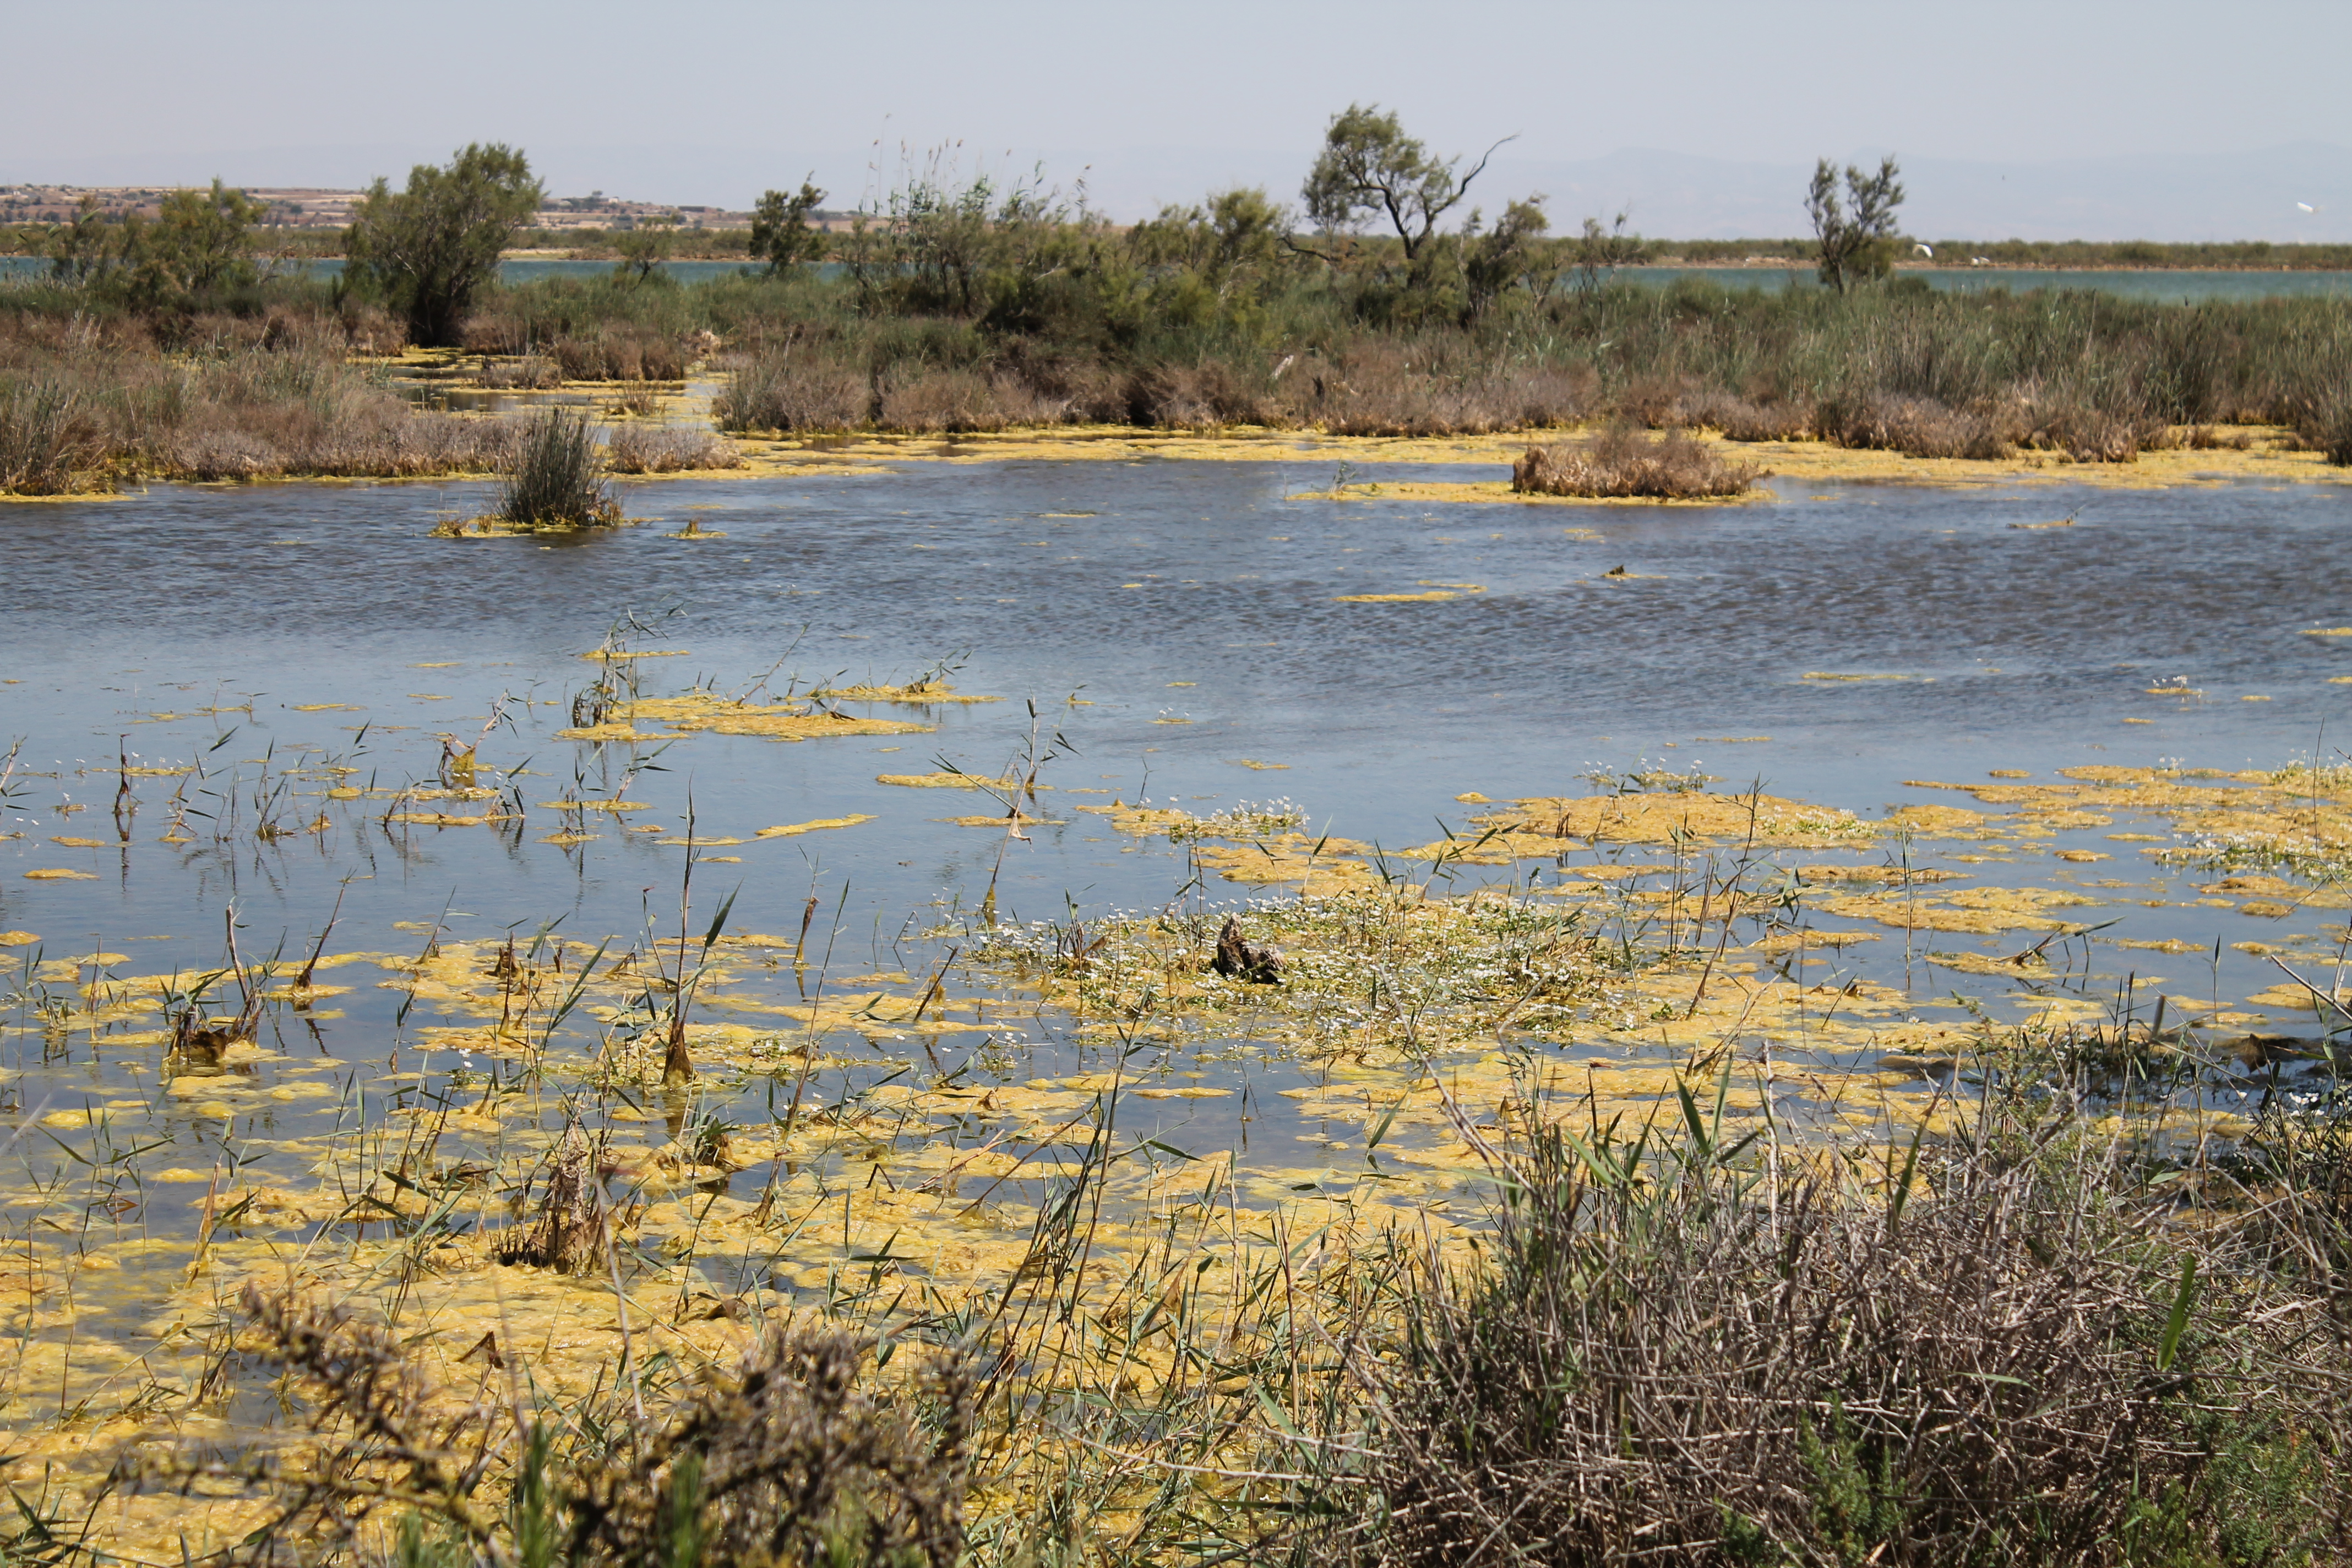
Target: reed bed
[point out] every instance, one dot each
(84, 401)
(1126, 339)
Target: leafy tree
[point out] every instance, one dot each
(1492, 260)
(1368, 165)
(1601, 251)
(1859, 243)
(83, 247)
(781, 235)
(428, 250)
(199, 244)
(644, 248)
(1236, 240)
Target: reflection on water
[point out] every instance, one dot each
(1185, 636)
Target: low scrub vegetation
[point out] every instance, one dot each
(2004, 1350)
(659, 449)
(87, 399)
(1387, 303)
(1625, 463)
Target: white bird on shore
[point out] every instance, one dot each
(1924, 249)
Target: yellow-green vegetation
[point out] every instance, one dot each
(961, 307)
(1190, 1255)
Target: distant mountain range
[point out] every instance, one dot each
(2180, 197)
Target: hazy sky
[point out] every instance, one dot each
(710, 101)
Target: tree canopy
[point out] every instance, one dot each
(1857, 235)
(427, 250)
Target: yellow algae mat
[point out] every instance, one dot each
(638, 1156)
(2266, 457)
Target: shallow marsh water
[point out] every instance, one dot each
(1207, 636)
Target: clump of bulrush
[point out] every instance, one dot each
(557, 480)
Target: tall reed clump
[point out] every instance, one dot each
(2014, 1349)
(558, 479)
(44, 448)
(1622, 462)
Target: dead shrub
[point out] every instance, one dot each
(618, 354)
(2325, 425)
(210, 455)
(1739, 420)
(1542, 397)
(797, 393)
(1203, 396)
(931, 399)
(1654, 402)
(1622, 462)
(2090, 435)
(1398, 390)
(658, 449)
(567, 1229)
(1915, 426)
(374, 332)
(494, 332)
(532, 372)
(2010, 1357)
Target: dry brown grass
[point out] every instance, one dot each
(932, 399)
(1744, 419)
(659, 449)
(531, 373)
(223, 398)
(618, 352)
(794, 391)
(1624, 462)
(1915, 426)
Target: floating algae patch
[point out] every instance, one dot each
(699, 711)
(2298, 815)
(920, 693)
(1536, 825)
(793, 830)
(946, 781)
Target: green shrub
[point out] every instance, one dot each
(429, 250)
